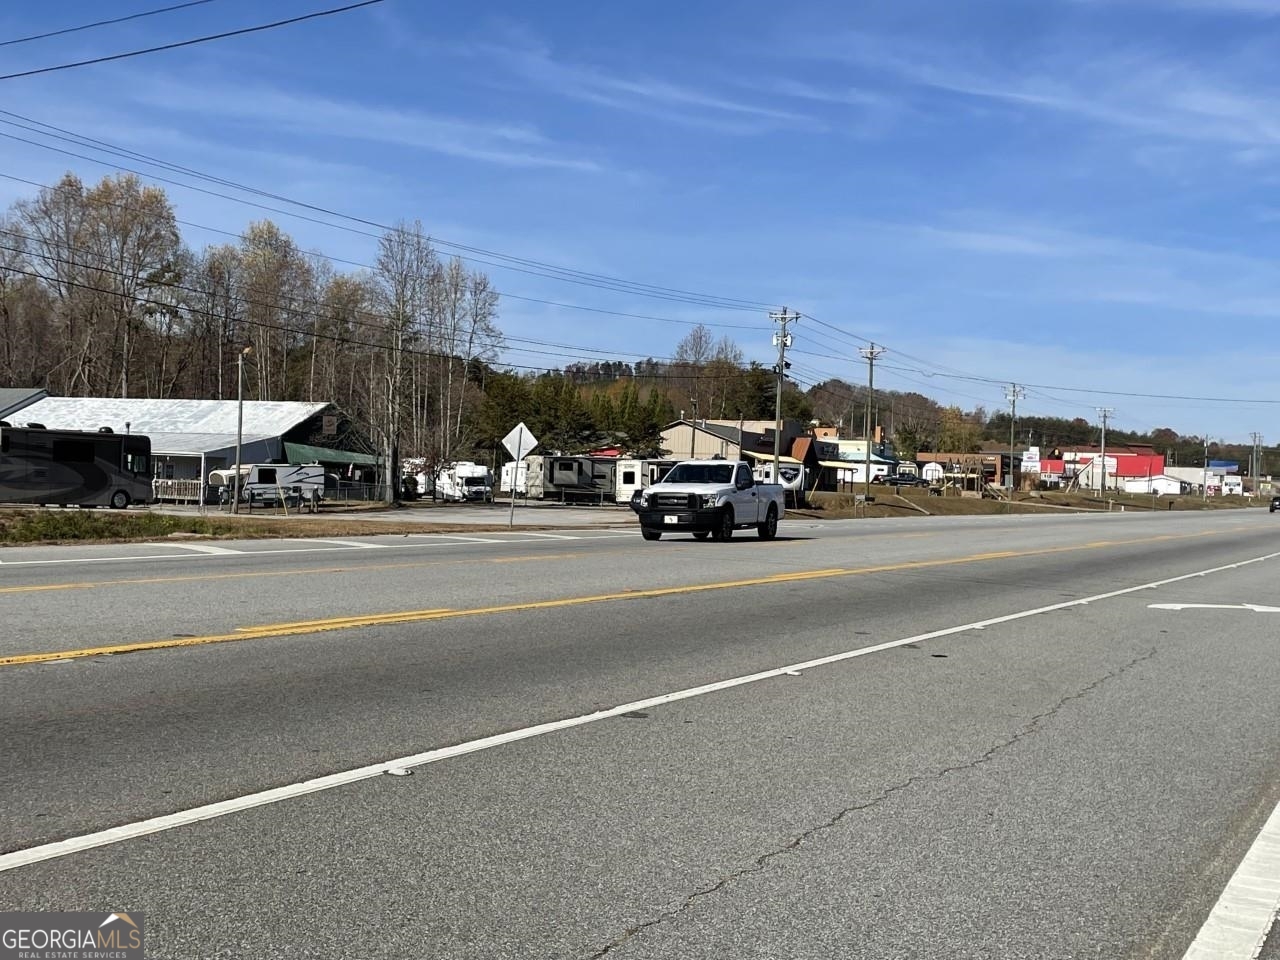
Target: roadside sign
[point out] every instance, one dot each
(519, 442)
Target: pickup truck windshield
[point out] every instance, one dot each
(700, 473)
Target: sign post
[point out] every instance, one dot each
(519, 443)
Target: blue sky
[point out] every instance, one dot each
(1083, 195)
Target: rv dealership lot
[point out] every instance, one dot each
(1015, 754)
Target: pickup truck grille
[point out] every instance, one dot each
(683, 501)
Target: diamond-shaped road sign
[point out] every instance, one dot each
(519, 442)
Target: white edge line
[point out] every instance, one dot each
(142, 828)
(1239, 922)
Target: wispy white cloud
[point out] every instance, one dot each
(1081, 267)
(667, 99)
(1262, 8)
(1135, 90)
(275, 110)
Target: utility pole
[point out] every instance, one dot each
(693, 431)
(870, 354)
(1204, 478)
(235, 500)
(781, 341)
(1105, 412)
(1013, 393)
(1255, 459)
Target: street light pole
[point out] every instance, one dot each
(235, 500)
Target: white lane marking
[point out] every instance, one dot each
(197, 547)
(1255, 607)
(553, 536)
(461, 539)
(1239, 922)
(341, 543)
(420, 540)
(142, 828)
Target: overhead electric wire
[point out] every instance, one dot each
(103, 23)
(335, 338)
(500, 293)
(585, 354)
(366, 233)
(536, 267)
(195, 40)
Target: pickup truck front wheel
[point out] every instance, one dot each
(650, 534)
(769, 529)
(724, 526)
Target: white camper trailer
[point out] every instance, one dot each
(635, 475)
(521, 472)
(790, 475)
(271, 483)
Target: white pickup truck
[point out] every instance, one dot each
(709, 497)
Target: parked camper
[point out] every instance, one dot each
(271, 483)
(571, 478)
(464, 480)
(633, 475)
(791, 476)
(521, 473)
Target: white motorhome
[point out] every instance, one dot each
(271, 482)
(464, 480)
(634, 475)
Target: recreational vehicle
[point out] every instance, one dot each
(633, 475)
(521, 473)
(571, 478)
(68, 467)
(271, 483)
(464, 480)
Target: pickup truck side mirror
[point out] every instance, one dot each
(745, 483)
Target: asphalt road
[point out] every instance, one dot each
(1007, 750)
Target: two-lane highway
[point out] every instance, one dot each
(1000, 737)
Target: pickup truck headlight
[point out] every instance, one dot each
(709, 500)
(644, 499)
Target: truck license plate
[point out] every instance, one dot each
(670, 518)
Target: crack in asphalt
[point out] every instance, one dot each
(762, 861)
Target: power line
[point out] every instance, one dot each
(187, 43)
(103, 23)
(366, 266)
(510, 262)
(584, 354)
(369, 266)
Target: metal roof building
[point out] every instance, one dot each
(191, 438)
(14, 399)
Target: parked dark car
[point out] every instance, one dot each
(901, 480)
(1275, 504)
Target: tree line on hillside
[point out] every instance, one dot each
(101, 296)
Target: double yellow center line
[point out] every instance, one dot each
(303, 627)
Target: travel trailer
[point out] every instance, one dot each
(633, 475)
(571, 478)
(521, 472)
(790, 476)
(271, 482)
